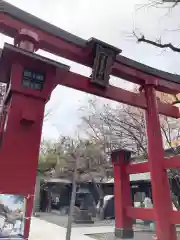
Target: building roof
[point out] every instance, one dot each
(58, 180)
(135, 177)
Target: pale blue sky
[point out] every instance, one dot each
(110, 21)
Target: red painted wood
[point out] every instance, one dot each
(159, 180)
(21, 140)
(82, 83)
(172, 162)
(137, 168)
(10, 26)
(140, 77)
(22, 144)
(141, 213)
(175, 217)
(168, 109)
(28, 214)
(122, 194)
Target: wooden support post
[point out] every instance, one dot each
(122, 194)
(160, 187)
(28, 214)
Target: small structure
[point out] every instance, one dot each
(84, 196)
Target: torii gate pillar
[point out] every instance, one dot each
(162, 201)
(30, 80)
(162, 210)
(122, 193)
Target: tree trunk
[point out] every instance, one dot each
(175, 201)
(72, 204)
(101, 208)
(101, 199)
(36, 206)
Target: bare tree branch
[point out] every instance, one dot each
(159, 4)
(156, 43)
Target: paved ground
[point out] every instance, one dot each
(43, 230)
(110, 236)
(53, 226)
(59, 220)
(103, 230)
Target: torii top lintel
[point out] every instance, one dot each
(60, 42)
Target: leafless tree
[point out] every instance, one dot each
(86, 155)
(75, 153)
(117, 126)
(122, 126)
(166, 4)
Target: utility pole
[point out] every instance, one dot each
(72, 204)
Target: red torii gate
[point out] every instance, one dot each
(31, 78)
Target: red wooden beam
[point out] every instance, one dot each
(80, 54)
(10, 27)
(175, 217)
(168, 109)
(172, 162)
(137, 168)
(140, 77)
(82, 83)
(141, 213)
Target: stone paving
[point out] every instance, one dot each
(43, 230)
(54, 226)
